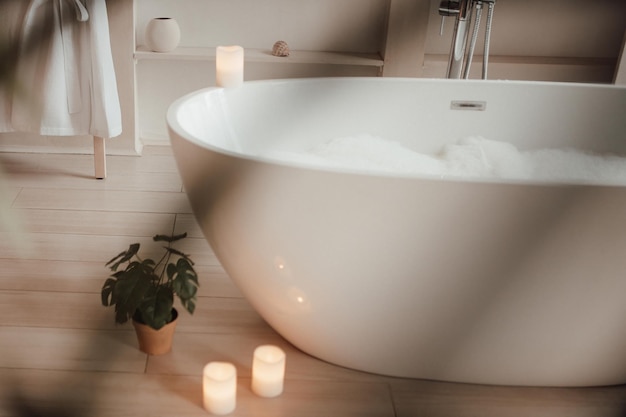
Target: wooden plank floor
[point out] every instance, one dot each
(59, 348)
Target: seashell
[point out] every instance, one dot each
(280, 48)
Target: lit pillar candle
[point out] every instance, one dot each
(268, 371)
(219, 386)
(229, 66)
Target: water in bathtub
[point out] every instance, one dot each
(470, 157)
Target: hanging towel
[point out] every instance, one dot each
(67, 85)
(12, 13)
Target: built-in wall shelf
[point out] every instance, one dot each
(531, 40)
(262, 55)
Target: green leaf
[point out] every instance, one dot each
(121, 316)
(190, 305)
(107, 292)
(169, 239)
(179, 253)
(148, 266)
(156, 308)
(171, 271)
(185, 284)
(123, 256)
(129, 291)
(185, 264)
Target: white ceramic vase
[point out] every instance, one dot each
(162, 34)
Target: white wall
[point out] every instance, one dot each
(557, 40)
(326, 25)
(547, 40)
(357, 26)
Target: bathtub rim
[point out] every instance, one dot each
(175, 127)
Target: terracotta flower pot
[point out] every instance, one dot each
(156, 342)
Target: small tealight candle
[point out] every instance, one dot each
(229, 66)
(268, 371)
(219, 386)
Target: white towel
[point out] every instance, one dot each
(12, 13)
(67, 86)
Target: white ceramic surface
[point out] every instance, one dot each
(162, 34)
(474, 281)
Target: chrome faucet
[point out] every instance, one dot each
(461, 54)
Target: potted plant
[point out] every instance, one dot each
(144, 291)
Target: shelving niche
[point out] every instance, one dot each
(265, 56)
(543, 40)
(326, 38)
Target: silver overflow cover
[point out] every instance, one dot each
(468, 105)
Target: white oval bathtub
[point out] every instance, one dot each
(495, 281)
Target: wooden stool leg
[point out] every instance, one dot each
(99, 156)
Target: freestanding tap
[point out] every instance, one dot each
(460, 53)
